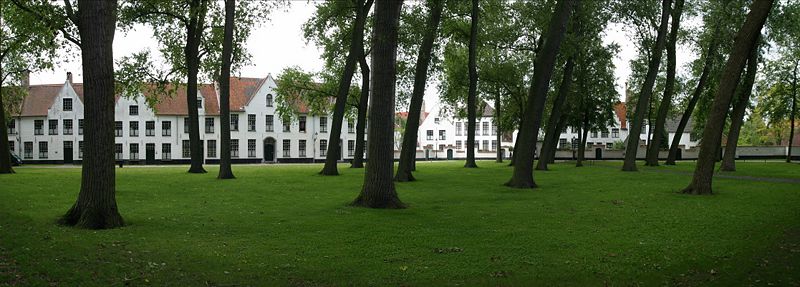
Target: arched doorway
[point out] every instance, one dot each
(449, 154)
(269, 149)
(598, 153)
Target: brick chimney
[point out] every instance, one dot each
(26, 79)
(69, 77)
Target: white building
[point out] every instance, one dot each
(49, 126)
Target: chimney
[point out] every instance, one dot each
(69, 77)
(26, 79)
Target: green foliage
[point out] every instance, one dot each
(315, 91)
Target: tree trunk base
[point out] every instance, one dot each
(668, 162)
(357, 165)
(402, 176)
(7, 171)
(649, 163)
(92, 218)
(541, 165)
(382, 203)
(328, 171)
(499, 160)
(226, 176)
(629, 167)
(727, 167)
(197, 169)
(524, 183)
(696, 191)
(470, 165)
(578, 164)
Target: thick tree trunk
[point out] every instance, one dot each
(192, 53)
(408, 152)
(499, 131)
(647, 90)
(582, 146)
(473, 87)
(5, 149)
(793, 114)
(363, 102)
(225, 171)
(379, 190)
(554, 122)
(661, 118)
(737, 114)
(96, 206)
(745, 41)
(537, 95)
(356, 43)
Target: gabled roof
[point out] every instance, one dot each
(174, 103)
(672, 125)
(39, 99)
(242, 92)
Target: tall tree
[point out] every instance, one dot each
(737, 113)
(408, 151)
(537, 95)
(363, 103)
(472, 104)
(647, 89)
(378, 190)
(225, 171)
(745, 41)
(669, 87)
(556, 122)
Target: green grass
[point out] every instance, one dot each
(751, 168)
(285, 225)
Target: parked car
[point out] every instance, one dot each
(15, 160)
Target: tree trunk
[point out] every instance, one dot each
(516, 145)
(408, 152)
(5, 149)
(554, 122)
(473, 87)
(96, 206)
(356, 43)
(379, 190)
(582, 146)
(737, 114)
(363, 102)
(745, 41)
(793, 114)
(192, 53)
(661, 118)
(225, 171)
(537, 95)
(647, 90)
(499, 131)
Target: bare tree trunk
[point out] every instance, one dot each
(647, 90)
(516, 145)
(225, 171)
(661, 118)
(363, 102)
(5, 149)
(194, 35)
(537, 95)
(473, 87)
(793, 114)
(745, 41)
(554, 122)
(408, 152)
(356, 48)
(379, 190)
(96, 206)
(582, 147)
(737, 114)
(499, 131)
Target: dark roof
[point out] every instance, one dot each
(672, 125)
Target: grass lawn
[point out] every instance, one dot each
(285, 225)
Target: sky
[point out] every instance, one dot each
(279, 43)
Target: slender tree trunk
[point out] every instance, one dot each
(225, 171)
(5, 149)
(516, 145)
(582, 147)
(537, 95)
(737, 114)
(473, 87)
(379, 190)
(499, 131)
(356, 43)
(666, 101)
(192, 53)
(793, 114)
(554, 122)
(363, 102)
(745, 41)
(96, 206)
(408, 152)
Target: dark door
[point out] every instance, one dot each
(679, 154)
(427, 154)
(269, 151)
(150, 153)
(598, 153)
(449, 154)
(67, 152)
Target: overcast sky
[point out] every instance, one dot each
(279, 43)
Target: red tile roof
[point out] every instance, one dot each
(39, 99)
(620, 109)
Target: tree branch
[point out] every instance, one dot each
(49, 22)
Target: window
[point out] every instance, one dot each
(562, 143)
(251, 148)
(429, 135)
(38, 125)
(442, 134)
(12, 127)
(351, 147)
(302, 120)
(351, 127)
(458, 129)
(594, 134)
(441, 147)
(212, 148)
(67, 104)
(80, 149)
(287, 148)
(287, 126)
(485, 145)
(234, 122)
(485, 129)
(494, 145)
(644, 129)
(52, 127)
(133, 110)
(199, 102)
(270, 122)
(134, 151)
(166, 151)
(323, 124)
(149, 128)
(117, 129)
(269, 100)
(614, 133)
(494, 128)
(80, 126)
(28, 150)
(458, 144)
(436, 120)
(118, 151)
(251, 123)
(604, 134)
(187, 149)
(67, 126)
(134, 129)
(42, 149)
(589, 144)
(323, 147)
(476, 145)
(166, 128)
(235, 148)
(477, 129)
(186, 125)
(302, 147)
(11, 146)
(692, 137)
(609, 146)
(209, 125)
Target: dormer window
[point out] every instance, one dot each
(133, 110)
(67, 104)
(436, 121)
(199, 102)
(269, 100)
